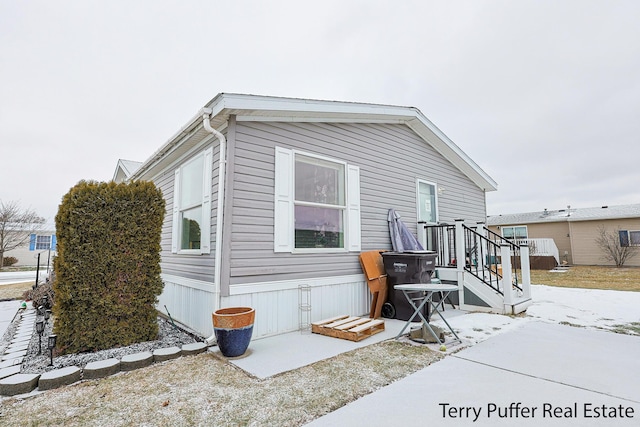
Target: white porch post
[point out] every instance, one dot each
(507, 287)
(482, 249)
(461, 258)
(525, 268)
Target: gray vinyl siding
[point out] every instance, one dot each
(390, 157)
(196, 267)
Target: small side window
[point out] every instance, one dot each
(427, 202)
(192, 205)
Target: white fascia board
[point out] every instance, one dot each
(258, 108)
(314, 119)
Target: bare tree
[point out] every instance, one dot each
(613, 249)
(16, 226)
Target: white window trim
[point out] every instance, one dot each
(435, 189)
(205, 242)
(284, 204)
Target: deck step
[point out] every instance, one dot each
(520, 305)
(350, 328)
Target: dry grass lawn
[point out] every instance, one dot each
(591, 277)
(205, 390)
(14, 291)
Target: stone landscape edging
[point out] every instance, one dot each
(13, 383)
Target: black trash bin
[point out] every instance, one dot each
(405, 268)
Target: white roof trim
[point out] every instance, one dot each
(268, 108)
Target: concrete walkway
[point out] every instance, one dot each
(539, 374)
(8, 310)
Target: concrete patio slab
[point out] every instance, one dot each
(427, 398)
(563, 376)
(593, 360)
(270, 356)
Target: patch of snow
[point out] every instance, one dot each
(589, 308)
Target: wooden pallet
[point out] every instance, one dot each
(350, 328)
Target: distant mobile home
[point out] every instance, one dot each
(574, 231)
(266, 195)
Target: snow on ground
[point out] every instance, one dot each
(589, 308)
(11, 277)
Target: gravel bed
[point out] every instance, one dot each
(34, 363)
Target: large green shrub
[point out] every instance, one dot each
(108, 265)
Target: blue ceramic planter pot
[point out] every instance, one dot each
(233, 328)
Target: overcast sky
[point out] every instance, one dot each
(543, 95)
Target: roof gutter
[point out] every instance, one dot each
(206, 122)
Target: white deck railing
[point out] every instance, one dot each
(541, 247)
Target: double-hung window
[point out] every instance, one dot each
(317, 203)
(192, 205)
(38, 242)
(43, 242)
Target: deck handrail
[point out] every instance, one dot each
(482, 252)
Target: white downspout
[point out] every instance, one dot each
(206, 117)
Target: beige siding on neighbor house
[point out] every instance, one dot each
(577, 238)
(559, 232)
(584, 234)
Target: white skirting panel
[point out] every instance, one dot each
(277, 304)
(189, 302)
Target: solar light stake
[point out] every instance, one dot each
(51, 343)
(40, 330)
(47, 315)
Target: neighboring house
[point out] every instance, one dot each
(42, 243)
(267, 195)
(574, 231)
(125, 169)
